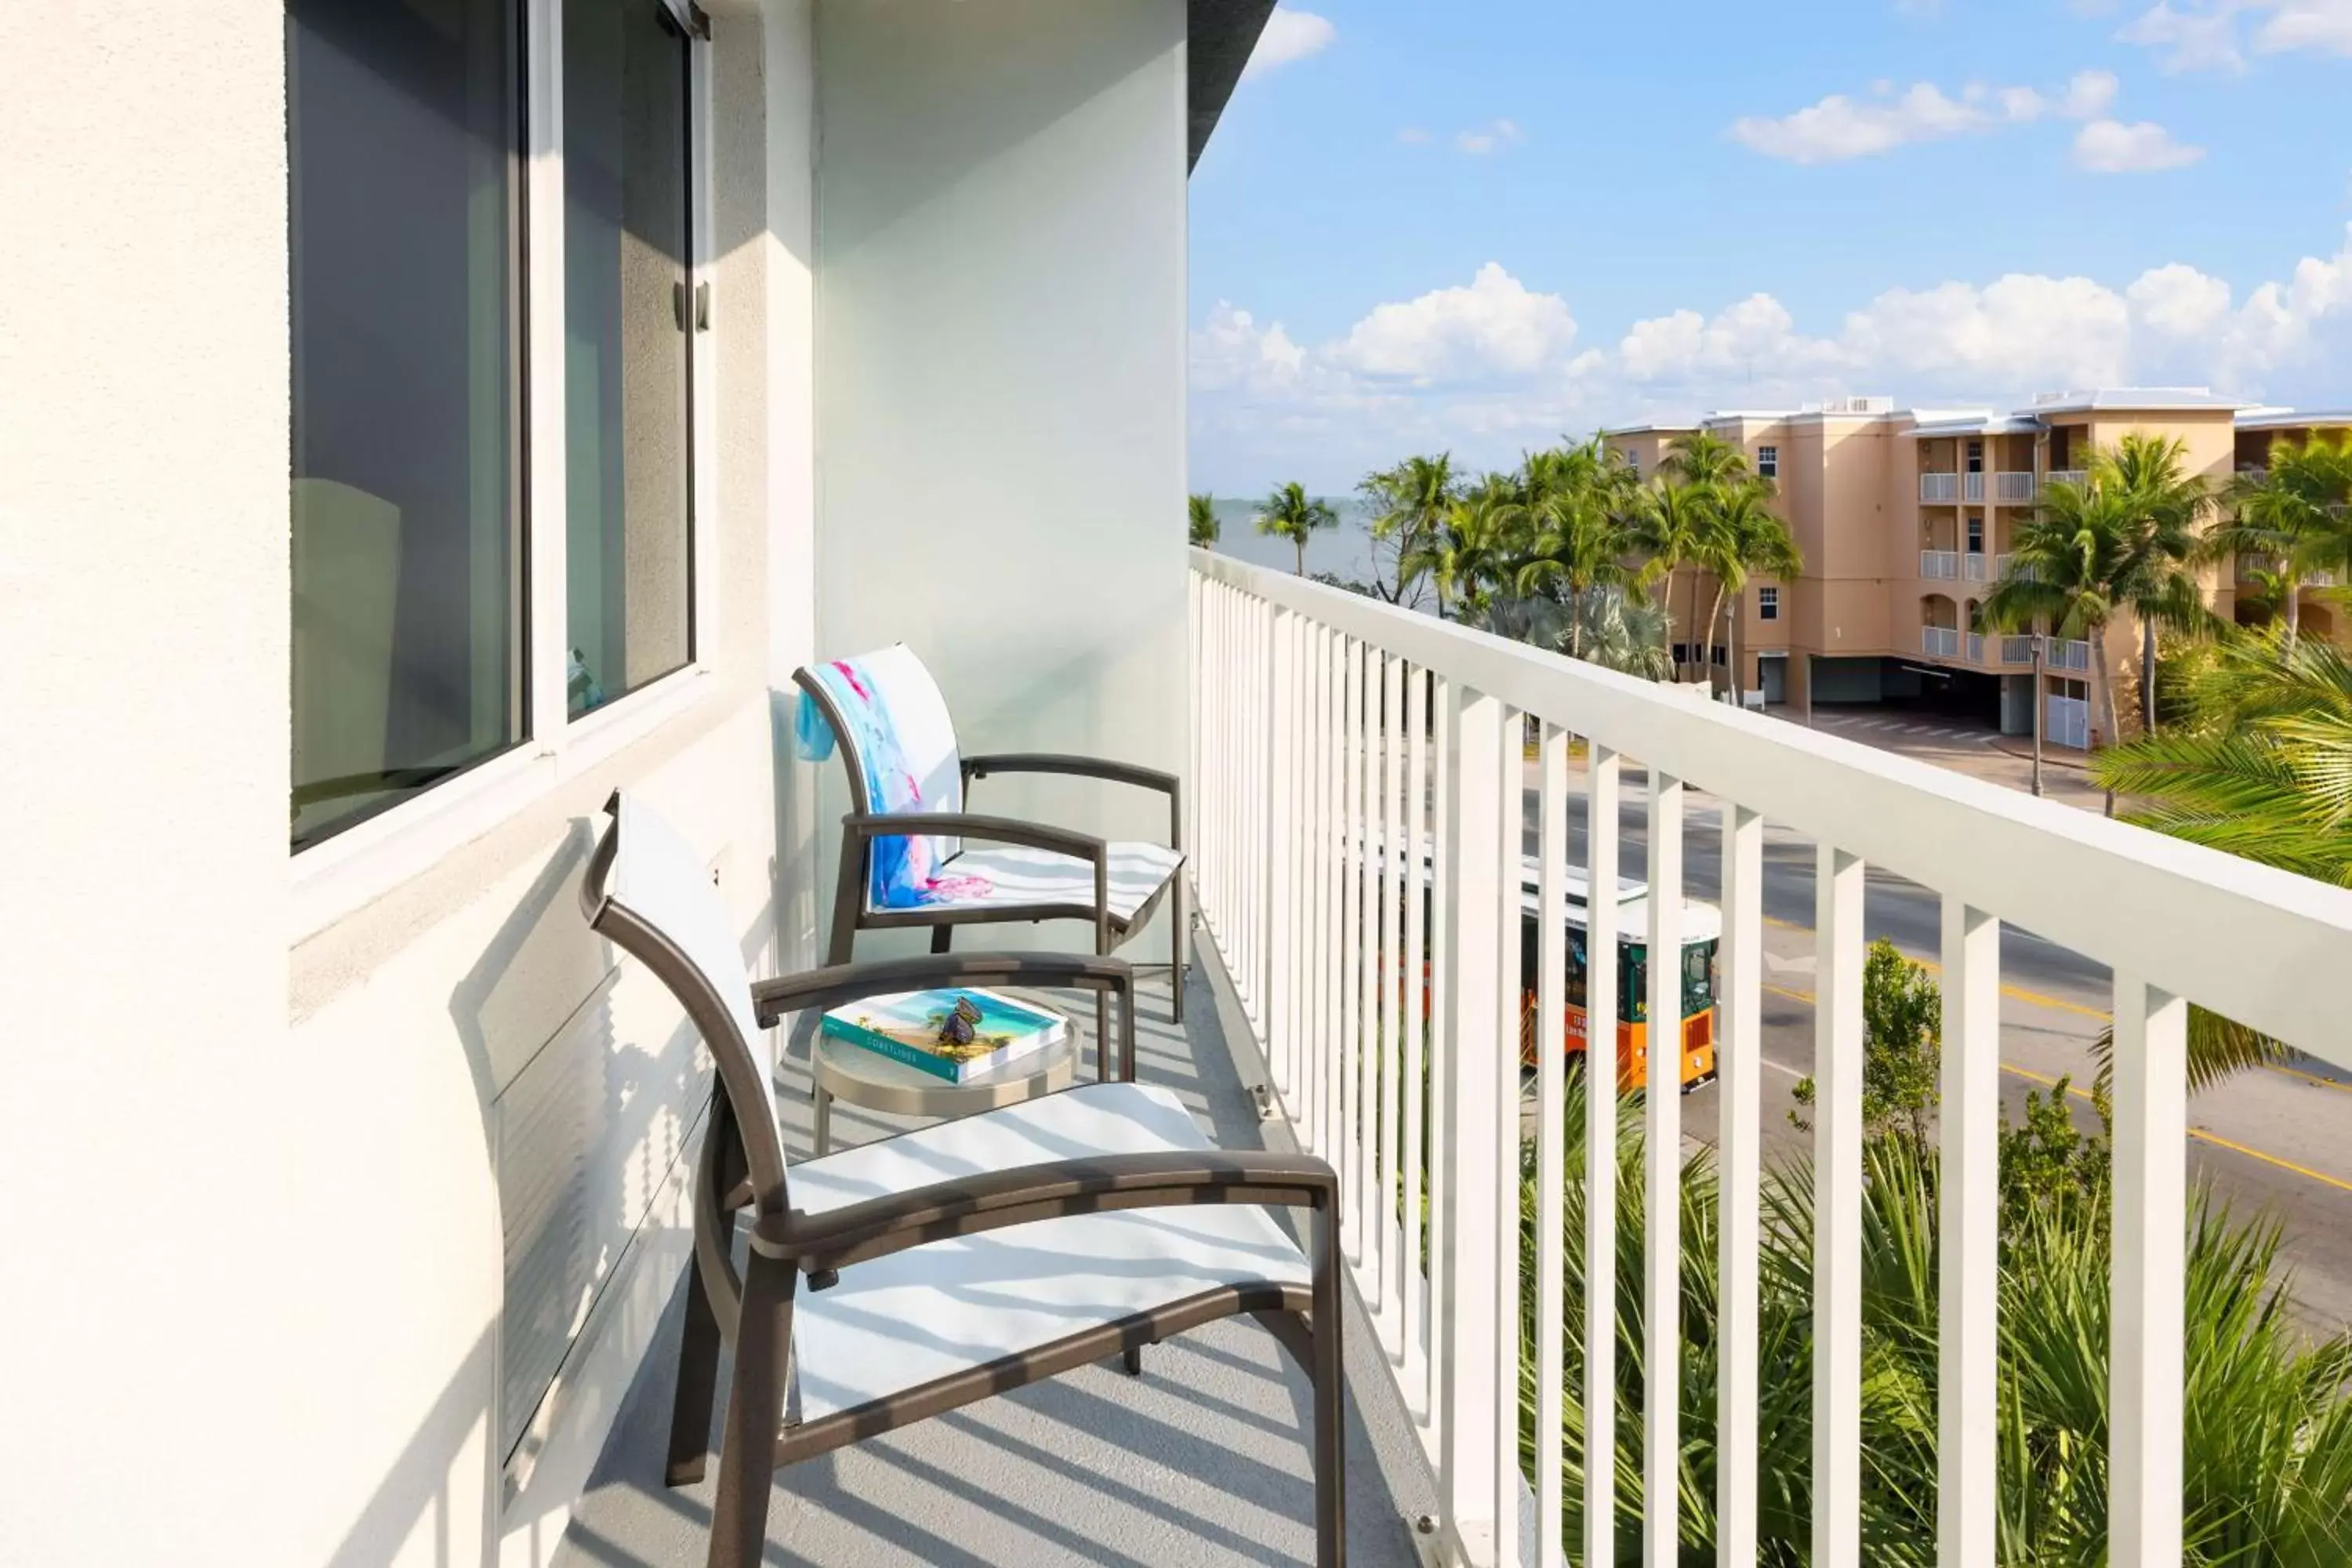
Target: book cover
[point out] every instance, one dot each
(914, 1027)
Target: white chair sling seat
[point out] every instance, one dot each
(1014, 877)
(893, 1323)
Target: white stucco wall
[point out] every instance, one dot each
(1001, 386)
(297, 1219)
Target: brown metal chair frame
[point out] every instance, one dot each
(860, 828)
(742, 1166)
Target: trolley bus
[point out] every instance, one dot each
(1702, 935)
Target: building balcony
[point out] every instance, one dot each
(1939, 490)
(1939, 642)
(1974, 566)
(2013, 489)
(1940, 564)
(1972, 487)
(1975, 647)
(2064, 477)
(1328, 726)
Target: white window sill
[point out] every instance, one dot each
(362, 864)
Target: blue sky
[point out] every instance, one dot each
(1474, 225)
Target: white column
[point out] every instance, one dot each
(1968, 1270)
(1740, 1068)
(2146, 1368)
(1661, 1102)
(1600, 1157)
(1473, 1032)
(1837, 1212)
(1551, 1132)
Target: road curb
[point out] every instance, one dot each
(2050, 759)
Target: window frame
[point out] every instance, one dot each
(338, 875)
(1767, 461)
(1768, 601)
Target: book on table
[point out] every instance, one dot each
(956, 1033)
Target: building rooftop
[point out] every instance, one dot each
(2132, 399)
(2293, 418)
(1979, 423)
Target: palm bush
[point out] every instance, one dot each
(2267, 1443)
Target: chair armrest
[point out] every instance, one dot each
(831, 987)
(821, 1243)
(1141, 777)
(962, 824)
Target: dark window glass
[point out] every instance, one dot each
(1633, 984)
(403, 124)
(628, 316)
(1699, 978)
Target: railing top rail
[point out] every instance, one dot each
(2238, 937)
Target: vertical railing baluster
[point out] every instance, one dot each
(1968, 1310)
(1391, 1289)
(1602, 787)
(1417, 1014)
(1472, 1075)
(1282, 925)
(1439, 1168)
(2146, 1364)
(1315, 1038)
(1510, 831)
(1352, 912)
(1551, 1131)
(1740, 1068)
(1368, 1034)
(1661, 1121)
(1837, 1212)
(1335, 977)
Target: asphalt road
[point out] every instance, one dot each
(2277, 1141)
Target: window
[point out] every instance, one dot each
(404, 238)
(629, 311)
(1632, 458)
(1767, 603)
(1976, 457)
(1768, 462)
(1975, 536)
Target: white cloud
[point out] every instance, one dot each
(1495, 327)
(1840, 127)
(1485, 139)
(2322, 24)
(2201, 38)
(2111, 147)
(1488, 369)
(1289, 36)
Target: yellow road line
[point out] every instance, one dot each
(2197, 1133)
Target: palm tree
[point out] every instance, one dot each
(1578, 538)
(1408, 504)
(2156, 579)
(1704, 459)
(1205, 526)
(1470, 553)
(2069, 556)
(1761, 544)
(1670, 528)
(1290, 513)
(1616, 629)
(2297, 511)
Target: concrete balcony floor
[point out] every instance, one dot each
(1203, 1460)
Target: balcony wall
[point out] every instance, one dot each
(1328, 724)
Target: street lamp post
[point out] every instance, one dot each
(2038, 704)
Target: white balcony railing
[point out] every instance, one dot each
(1939, 563)
(2068, 653)
(2017, 649)
(2064, 476)
(2320, 579)
(1939, 489)
(2013, 489)
(1972, 487)
(1974, 566)
(1328, 725)
(1975, 647)
(1939, 642)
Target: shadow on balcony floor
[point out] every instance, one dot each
(1203, 1460)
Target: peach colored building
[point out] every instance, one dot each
(1906, 518)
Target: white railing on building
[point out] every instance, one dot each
(2068, 722)
(1326, 726)
(1972, 487)
(1974, 566)
(2000, 567)
(1939, 563)
(2013, 489)
(1975, 647)
(2068, 653)
(2320, 579)
(1940, 642)
(2017, 649)
(2064, 477)
(1939, 489)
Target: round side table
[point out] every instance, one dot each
(844, 1071)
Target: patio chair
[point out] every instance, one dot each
(905, 858)
(909, 1277)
